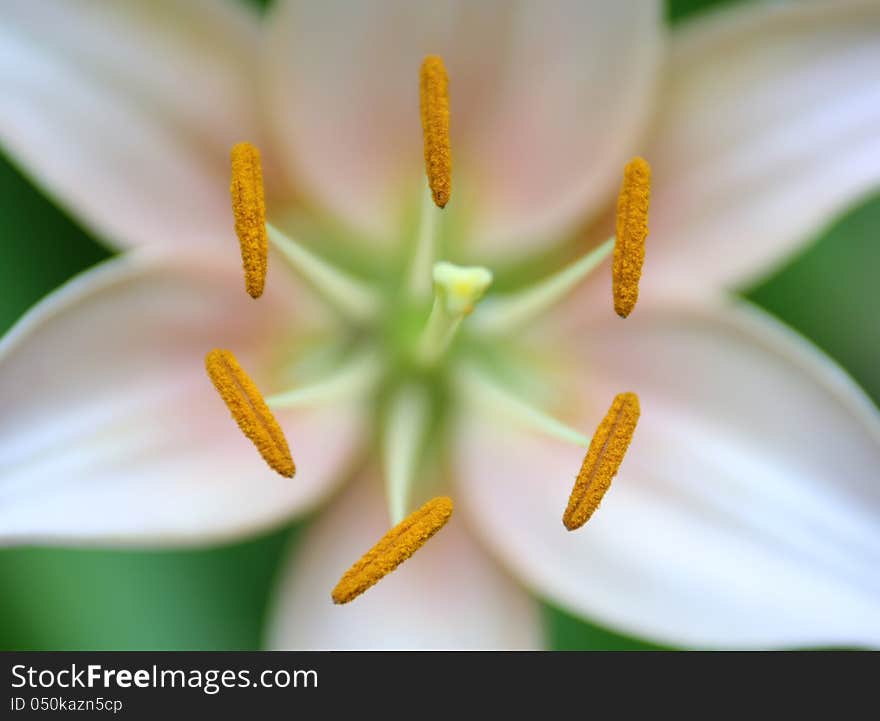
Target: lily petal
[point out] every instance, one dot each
(745, 513)
(126, 111)
(112, 432)
(447, 596)
(547, 100)
(767, 130)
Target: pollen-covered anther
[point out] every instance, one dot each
(603, 458)
(249, 410)
(632, 229)
(394, 548)
(434, 104)
(249, 209)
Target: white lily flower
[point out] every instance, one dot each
(745, 513)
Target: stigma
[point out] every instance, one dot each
(249, 410)
(632, 229)
(603, 459)
(460, 287)
(393, 548)
(434, 104)
(249, 210)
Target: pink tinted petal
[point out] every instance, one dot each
(112, 431)
(576, 95)
(768, 129)
(449, 595)
(125, 111)
(546, 100)
(745, 513)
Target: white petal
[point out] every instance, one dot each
(768, 129)
(125, 111)
(449, 595)
(546, 101)
(745, 513)
(112, 431)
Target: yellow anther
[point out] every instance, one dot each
(249, 209)
(434, 103)
(249, 410)
(632, 229)
(603, 458)
(396, 546)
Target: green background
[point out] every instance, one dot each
(215, 598)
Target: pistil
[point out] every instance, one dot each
(457, 290)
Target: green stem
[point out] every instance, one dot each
(405, 427)
(354, 379)
(350, 296)
(480, 388)
(506, 314)
(425, 251)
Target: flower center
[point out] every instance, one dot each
(424, 343)
(457, 290)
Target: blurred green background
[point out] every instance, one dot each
(215, 599)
